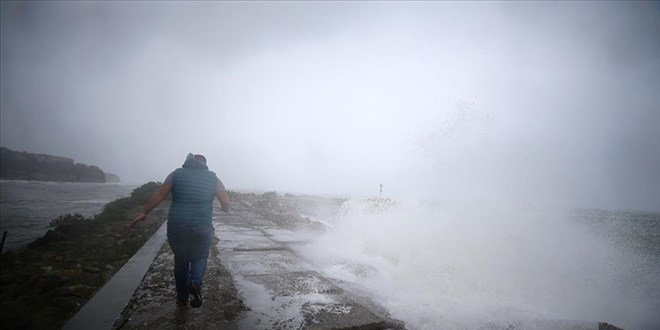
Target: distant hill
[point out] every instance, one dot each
(109, 177)
(15, 165)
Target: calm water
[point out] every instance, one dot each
(27, 207)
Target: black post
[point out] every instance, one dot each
(2, 244)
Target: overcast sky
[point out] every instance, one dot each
(557, 103)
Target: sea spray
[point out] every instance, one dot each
(448, 266)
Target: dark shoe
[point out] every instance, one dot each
(196, 291)
(182, 303)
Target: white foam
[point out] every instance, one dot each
(466, 266)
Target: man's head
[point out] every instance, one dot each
(201, 158)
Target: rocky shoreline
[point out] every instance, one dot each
(45, 283)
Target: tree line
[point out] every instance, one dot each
(15, 165)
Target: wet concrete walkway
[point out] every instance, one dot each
(253, 281)
(280, 290)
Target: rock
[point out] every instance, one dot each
(83, 291)
(51, 236)
(50, 282)
(70, 274)
(6, 278)
(10, 291)
(90, 269)
(607, 326)
(60, 291)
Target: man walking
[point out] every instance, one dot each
(189, 227)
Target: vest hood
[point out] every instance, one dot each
(193, 163)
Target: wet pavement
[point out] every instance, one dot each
(279, 288)
(153, 304)
(253, 281)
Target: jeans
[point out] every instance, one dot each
(190, 244)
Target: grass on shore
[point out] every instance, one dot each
(45, 283)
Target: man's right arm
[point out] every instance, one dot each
(155, 199)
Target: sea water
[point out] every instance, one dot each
(27, 207)
(462, 266)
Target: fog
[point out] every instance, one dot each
(547, 103)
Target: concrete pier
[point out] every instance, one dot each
(279, 288)
(253, 281)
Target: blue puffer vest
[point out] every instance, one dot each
(193, 191)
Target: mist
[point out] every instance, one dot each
(543, 103)
(483, 266)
